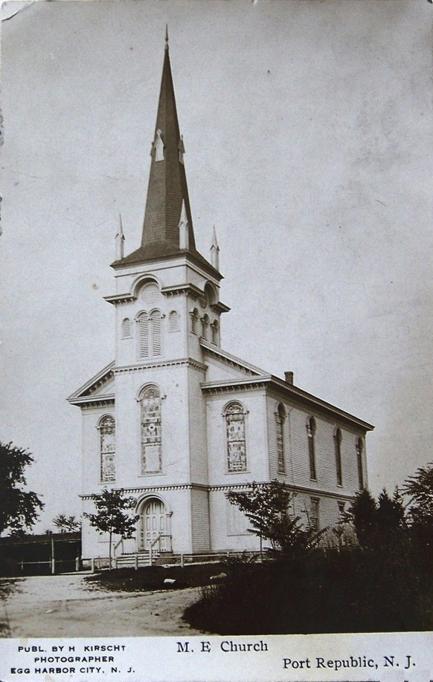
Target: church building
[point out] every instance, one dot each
(176, 421)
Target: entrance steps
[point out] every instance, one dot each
(137, 560)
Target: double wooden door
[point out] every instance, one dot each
(152, 523)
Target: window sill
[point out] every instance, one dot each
(152, 473)
(234, 473)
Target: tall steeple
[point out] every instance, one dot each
(167, 211)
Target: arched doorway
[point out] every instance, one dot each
(154, 526)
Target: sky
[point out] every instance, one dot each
(308, 131)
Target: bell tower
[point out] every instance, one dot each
(167, 309)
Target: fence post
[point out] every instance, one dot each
(92, 565)
(182, 562)
(77, 563)
(22, 565)
(136, 562)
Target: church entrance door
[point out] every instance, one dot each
(152, 524)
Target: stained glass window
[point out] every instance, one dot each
(235, 431)
(150, 408)
(107, 436)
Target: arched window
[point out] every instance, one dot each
(173, 321)
(107, 448)
(210, 293)
(155, 330)
(234, 415)
(338, 464)
(204, 325)
(150, 420)
(311, 432)
(194, 321)
(149, 334)
(359, 451)
(214, 330)
(149, 293)
(126, 328)
(280, 418)
(314, 513)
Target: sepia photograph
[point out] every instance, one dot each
(216, 321)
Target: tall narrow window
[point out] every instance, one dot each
(143, 335)
(280, 418)
(359, 451)
(107, 445)
(126, 328)
(338, 464)
(150, 409)
(194, 321)
(314, 513)
(155, 321)
(173, 321)
(234, 415)
(215, 329)
(311, 432)
(204, 325)
(341, 506)
(149, 334)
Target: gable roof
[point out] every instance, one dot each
(258, 377)
(90, 391)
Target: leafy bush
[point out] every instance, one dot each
(349, 591)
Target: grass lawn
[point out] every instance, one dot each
(152, 578)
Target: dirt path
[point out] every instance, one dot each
(65, 605)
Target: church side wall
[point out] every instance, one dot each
(326, 476)
(172, 384)
(229, 525)
(254, 404)
(197, 428)
(200, 520)
(91, 461)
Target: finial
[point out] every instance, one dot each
(183, 228)
(120, 241)
(166, 36)
(214, 250)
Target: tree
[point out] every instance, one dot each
(377, 523)
(113, 515)
(19, 509)
(67, 524)
(363, 516)
(267, 508)
(419, 488)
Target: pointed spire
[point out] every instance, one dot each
(167, 190)
(167, 226)
(214, 250)
(119, 240)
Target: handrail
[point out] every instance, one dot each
(120, 542)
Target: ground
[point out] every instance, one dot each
(66, 605)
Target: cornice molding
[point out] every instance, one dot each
(95, 401)
(190, 362)
(118, 299)
(228, 486)
(92, 384)
(232, 360)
